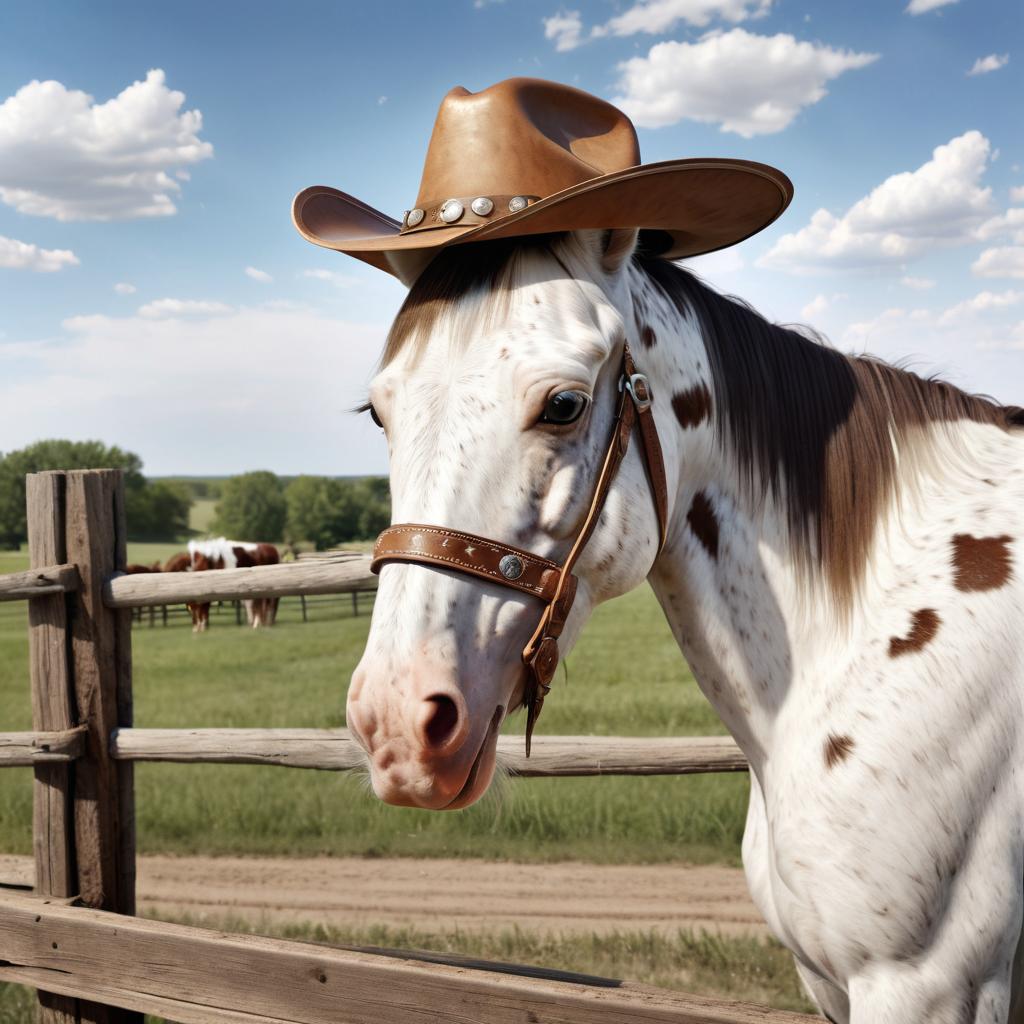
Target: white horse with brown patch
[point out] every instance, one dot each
(838, 559)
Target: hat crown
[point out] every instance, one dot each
(523, 136)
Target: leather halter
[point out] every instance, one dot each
(552, 583)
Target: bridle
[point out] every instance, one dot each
(552, 583)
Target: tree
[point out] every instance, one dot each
(327, 512)
(252, 507)
(161, 515)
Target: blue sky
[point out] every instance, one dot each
(154, 294)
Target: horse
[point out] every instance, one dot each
(220, 553)
(840, 569)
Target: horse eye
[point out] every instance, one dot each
(373, 415)
(565, 407)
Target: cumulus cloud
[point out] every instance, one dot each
(1005, 261)
(162, 309)
(564, 30)
(654, 16)
(940, 203)
(334, 277)
(15, 255)
(746, 83)
(124, 288)
(815, 307)
(258, 275)
(983, 302)
(993, 62)
(923, 6)
(220, 378)
(65, 156)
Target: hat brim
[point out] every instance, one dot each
(700, 206)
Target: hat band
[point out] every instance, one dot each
(463, 211)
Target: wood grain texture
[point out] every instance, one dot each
(20, 749)
(196, 976)
(52, 710)
(101, 671)
(331, 576)
(335, 750)
(49, 579)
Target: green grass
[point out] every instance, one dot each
(297, 674)
(200, 516)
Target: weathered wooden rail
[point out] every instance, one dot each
(76, 938)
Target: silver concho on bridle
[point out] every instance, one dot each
(511, 567)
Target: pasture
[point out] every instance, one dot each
(296, 675)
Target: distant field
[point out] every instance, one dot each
(201, 514)
(297, 674)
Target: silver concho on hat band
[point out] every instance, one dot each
(482, 206)
(517, 203)
(451, 211)
(413, 217)
(511, 567)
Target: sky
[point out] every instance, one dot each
(154, 293)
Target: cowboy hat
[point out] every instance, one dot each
(530, 157)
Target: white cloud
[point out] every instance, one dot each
(1007, 261)
(162, 309)
(993, 62)
(815, 307)
(258, 275)
(124, 288)
(654, 16)
(1009, 223)
(63, 155)
(334, 277)
(564, 30)
(1017, 194)
(981, 303)
(15, 255)
(940, 203)
(923, 6)
(920, 284)
(746, 83)
(224, 399)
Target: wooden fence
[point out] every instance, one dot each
(75, 937)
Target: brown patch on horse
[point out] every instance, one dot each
(813, 429)
(647, 336)
(704, 523)
(924, 624)
(837, 749)
(692, 406)
(981, 563)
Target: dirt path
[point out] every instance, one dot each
(442, 895)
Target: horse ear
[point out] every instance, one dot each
(408, 265)
(619, 245)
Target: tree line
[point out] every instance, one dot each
(323, 511)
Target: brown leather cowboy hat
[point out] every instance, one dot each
(529, 157)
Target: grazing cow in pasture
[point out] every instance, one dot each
(221, 553)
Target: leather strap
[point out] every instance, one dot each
(413, 222)
(512, 567)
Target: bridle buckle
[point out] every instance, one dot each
(639, 388)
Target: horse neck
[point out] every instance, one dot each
(729, 581)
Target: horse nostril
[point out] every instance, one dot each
(442, 721)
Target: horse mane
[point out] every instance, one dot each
(824, 434)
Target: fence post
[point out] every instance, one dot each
(104, 805)
(53, 825)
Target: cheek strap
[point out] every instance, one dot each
(554, 584)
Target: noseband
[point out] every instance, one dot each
(553, 584)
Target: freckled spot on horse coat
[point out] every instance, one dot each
(704, 523)
(647, 336)
(837, 748)
(981, 563)
(924, 624)
(692, 406)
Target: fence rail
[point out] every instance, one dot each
(336, 750)
(50, 579)
(288, 579)
(21, 749)
(197, 976)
